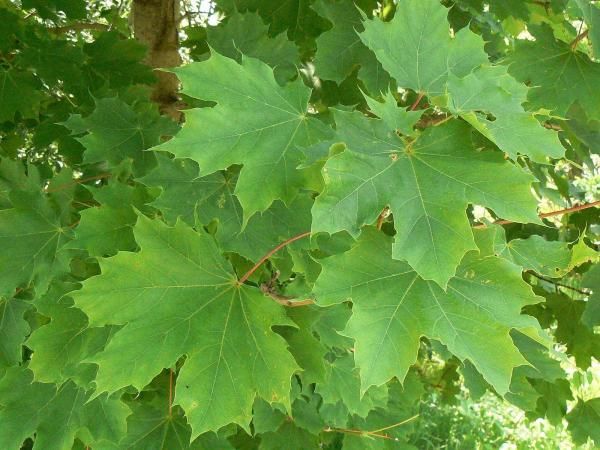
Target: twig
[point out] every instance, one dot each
(288, 302)
(78, 181)
(80, 26)
(579, 37)
(556, 283)
(417, 101)
(548, 214)
(283, 300)
(271, 253)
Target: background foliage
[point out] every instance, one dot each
(132, 311)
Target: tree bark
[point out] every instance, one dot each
(155, 24)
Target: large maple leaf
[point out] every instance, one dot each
(417, 49)
(394, 307)
(256, 122)
(178, 296)
(427, 184)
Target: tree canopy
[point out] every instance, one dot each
(266, 224)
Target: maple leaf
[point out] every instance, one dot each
(431, 62)
(32, 235)
(416, 48)
(394, 307)
(550, 258)
(186, 195)
(426, 184)
(490, 89)
(13, 330)
(55, 414)
(583, 419)
(115, 131)
(256, 123)
(567, 77)
(247, 34)
(342, 386)
(591, 315)
(340, 50)
(177, 297)
(60, 346)
(19, 92)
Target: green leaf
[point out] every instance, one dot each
(19, 93)
(60, 346)
(394, 118)
(340, 50)
(549, 258)
(581, 341)
(427, 186)
(115, 131)
(106, 229)
(268, 229)
(13, 330)
(490, 89)
(31, 238)
(591, 280)
(56, 414)
(256, 123)
(394, 307)
(154, 426)
(177, 297)
(47, 9)
(416, 49)
(247, 34)
(583, 420)
(568, 76)
(343, 385)
(185, 195)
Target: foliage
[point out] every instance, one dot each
(309, 260)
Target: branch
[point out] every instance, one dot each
(556, 283)
(548, 214)
(289, 302)
(80, 26)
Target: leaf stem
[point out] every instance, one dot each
(170, 392)
(579, 37)
(556, 283)
(271, 253)
(410, 419)
(417, 101)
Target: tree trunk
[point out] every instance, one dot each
(155, 24)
